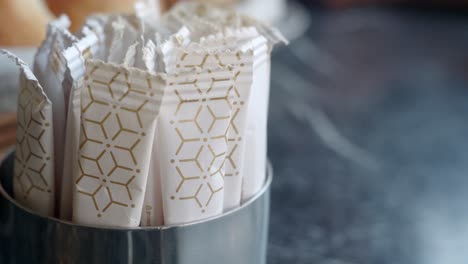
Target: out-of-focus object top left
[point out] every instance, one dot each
(78, 10)
(23, 22)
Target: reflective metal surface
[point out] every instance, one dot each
(238, 236)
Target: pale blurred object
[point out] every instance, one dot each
(78, 10)
(268, 11)
(23, 22)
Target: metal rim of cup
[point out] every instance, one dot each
(266, 186)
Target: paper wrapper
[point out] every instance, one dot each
(49, 67)
(235, 49)
(206, 23)
(242, 39)
(124, 35)
(92, 44)
(197, 122)
(254, 155)
(41, 57)
(75, 57)
(122, 40)
(203, 20)
(119, 109)
(97, 24)
(256, 134)
(152, 213)
(209, 149)
(33, 184)
(149, 10)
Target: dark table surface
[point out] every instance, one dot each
(368, 136)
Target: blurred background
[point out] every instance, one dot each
(368, 131)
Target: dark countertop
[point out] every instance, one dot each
(368, 137)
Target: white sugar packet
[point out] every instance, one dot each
(234, 49)
(192, 129)
(40, 59)
(123, 36)
(33, 181)
(75, 57)
(135, 51)
(129, 37)
(254, 155)
(97, 24)
(116, 31)
(254, 170)
(152, 213)
(149, 10)
(201, 95)
(205, 20)
(239, 41)
(49, 68)
(119, 109)
(200, 19)
(103, 25)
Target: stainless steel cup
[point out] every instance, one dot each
(238, 236)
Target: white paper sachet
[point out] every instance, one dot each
(257, 117)
(97, 24)
(169, 57)
(240, 94)
(40, 59)
(75, 57)
(148, 10)
(254, 155)
(233, 48)
(49, 73)
(201, 19)
(33, 182)
(239, 41)
(152, 213)
(149, 56)
(193, 132)
(272, 34)
(204, 20)
(123, 36)
(119, 109)
(146, 53)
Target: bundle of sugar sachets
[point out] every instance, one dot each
(136, 121)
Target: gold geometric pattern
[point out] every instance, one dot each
(199, 110)
(239, 94)
(248, 152)
(118, 115)
(200, 173)
(34, 164)
(240, 65)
